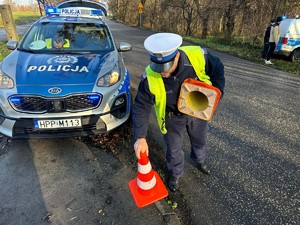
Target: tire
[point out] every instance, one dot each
(295, 56)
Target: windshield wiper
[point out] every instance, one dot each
(82, 52)
(67, 52)
(28, 50)
(54, 52)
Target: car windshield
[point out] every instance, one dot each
(68, 37)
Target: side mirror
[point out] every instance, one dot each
(12, 45)
(124, 47)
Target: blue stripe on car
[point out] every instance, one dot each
(291, 42)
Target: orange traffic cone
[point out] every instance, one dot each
(148, 187)
(198, 99)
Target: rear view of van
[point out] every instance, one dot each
(289, 42)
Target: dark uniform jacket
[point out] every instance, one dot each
(267, 33)
(144, 100)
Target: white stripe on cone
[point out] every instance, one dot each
(144, 169)
(146, 185)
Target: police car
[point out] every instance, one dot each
(289, 42)
(65, 78)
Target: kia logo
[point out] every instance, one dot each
(54, 90)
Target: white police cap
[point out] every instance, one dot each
(162, 48)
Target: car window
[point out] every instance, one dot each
(53, 36)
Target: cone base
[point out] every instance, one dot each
(160, 192)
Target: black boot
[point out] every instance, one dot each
(203, 168)
(173, 183)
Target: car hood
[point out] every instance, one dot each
(36, 73)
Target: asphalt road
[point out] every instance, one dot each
(253, 152)
(21, 29)
(253, 144)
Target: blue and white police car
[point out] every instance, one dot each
(65, 78)
(289, 42)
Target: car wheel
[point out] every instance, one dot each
(295, 57)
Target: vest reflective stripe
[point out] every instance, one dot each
(196, 57)
(67, 45)
(157, 87)
(48, 43)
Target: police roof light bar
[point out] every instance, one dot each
(74, 12)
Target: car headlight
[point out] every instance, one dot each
(109, 79)
(5, 81)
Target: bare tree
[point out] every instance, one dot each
(188, 10)
(153, 13)
(201, 18)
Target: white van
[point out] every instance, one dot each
(289, 42)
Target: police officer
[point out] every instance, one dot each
(57, 42)
(160, 87)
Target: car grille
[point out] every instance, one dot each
(39, 104)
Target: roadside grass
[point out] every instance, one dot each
(3, 50)
(245, 49)
(23, 18)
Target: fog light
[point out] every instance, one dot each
(119, 106)
(119, 101)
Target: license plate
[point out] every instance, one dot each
(52, 124)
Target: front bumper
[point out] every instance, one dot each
(24, 128)
(91, 124)
(94, 124)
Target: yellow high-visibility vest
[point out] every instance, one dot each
(49, 43)
(157, 87)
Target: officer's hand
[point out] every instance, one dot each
(140, 145)
(58, 44)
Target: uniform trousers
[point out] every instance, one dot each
(196, 129)
(265, 50)
(272, 47)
